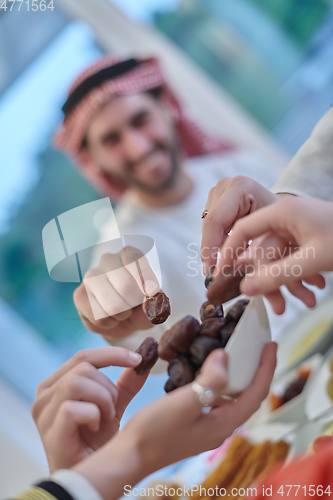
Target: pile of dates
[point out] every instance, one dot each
(187, 344)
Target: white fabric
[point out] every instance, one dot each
(310, 172)
(176, 231)
(76, 485)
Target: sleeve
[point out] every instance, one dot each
(310, 172)
(64, 484)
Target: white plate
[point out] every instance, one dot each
(318, 400)
(311, 333)
(294, 410)
(245, 345)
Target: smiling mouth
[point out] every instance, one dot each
(154, 163)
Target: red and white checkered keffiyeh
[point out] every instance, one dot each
(148, 75)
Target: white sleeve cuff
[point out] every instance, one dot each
(76, 485)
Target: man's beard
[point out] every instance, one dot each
(174, 154)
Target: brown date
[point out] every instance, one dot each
(211, 327)
(225, 286)
(208, 310)
(209, 277)
(202, 347)
(181, 335)
(157, 308)
(181, 371)
(294, 389)
(165, 350)
(169, 385)
(148, 351)
(236, 310)
(227, 331)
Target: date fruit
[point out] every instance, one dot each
(148, 351)
(208, 310)
(209, 277)
(235, 312)
(227, 331)
(225, 286)
(169, 385)
(181, 371)
(158, 308)
(202, 347)
(165, 350)
(180, 336)
(212, 327)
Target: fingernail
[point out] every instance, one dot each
(222, 356)
(135, 357)
(250, 286)
(150, 286)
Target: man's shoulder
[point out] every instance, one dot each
(240, 161)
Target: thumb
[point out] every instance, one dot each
(214, 371)
(128, 385)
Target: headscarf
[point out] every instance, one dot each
(110, 77)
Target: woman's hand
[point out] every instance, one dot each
(174, 427)
(78, 409)
(302, 230)
(230, 200)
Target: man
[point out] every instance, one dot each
(129, 135)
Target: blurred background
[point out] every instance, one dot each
(258, 72)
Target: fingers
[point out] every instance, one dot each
(119, 283)
(185, 406)
(99, 357)
(103, 326)
(230, 200)
(277, 301)
(281, 272)
(128, 385)
(74, 387)
(302, 293)
(251, 398)
(72, 414)
(220, 218)
(83, 369)
(85, 306)
(107, 297)
(316, 279)
(244, 230)
(214, 371)
(137, 264)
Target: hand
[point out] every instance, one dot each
(301, 226)
(78, 409)
(228, 201)
(110, 297)
(174, 427)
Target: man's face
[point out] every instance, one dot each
(132, 138)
